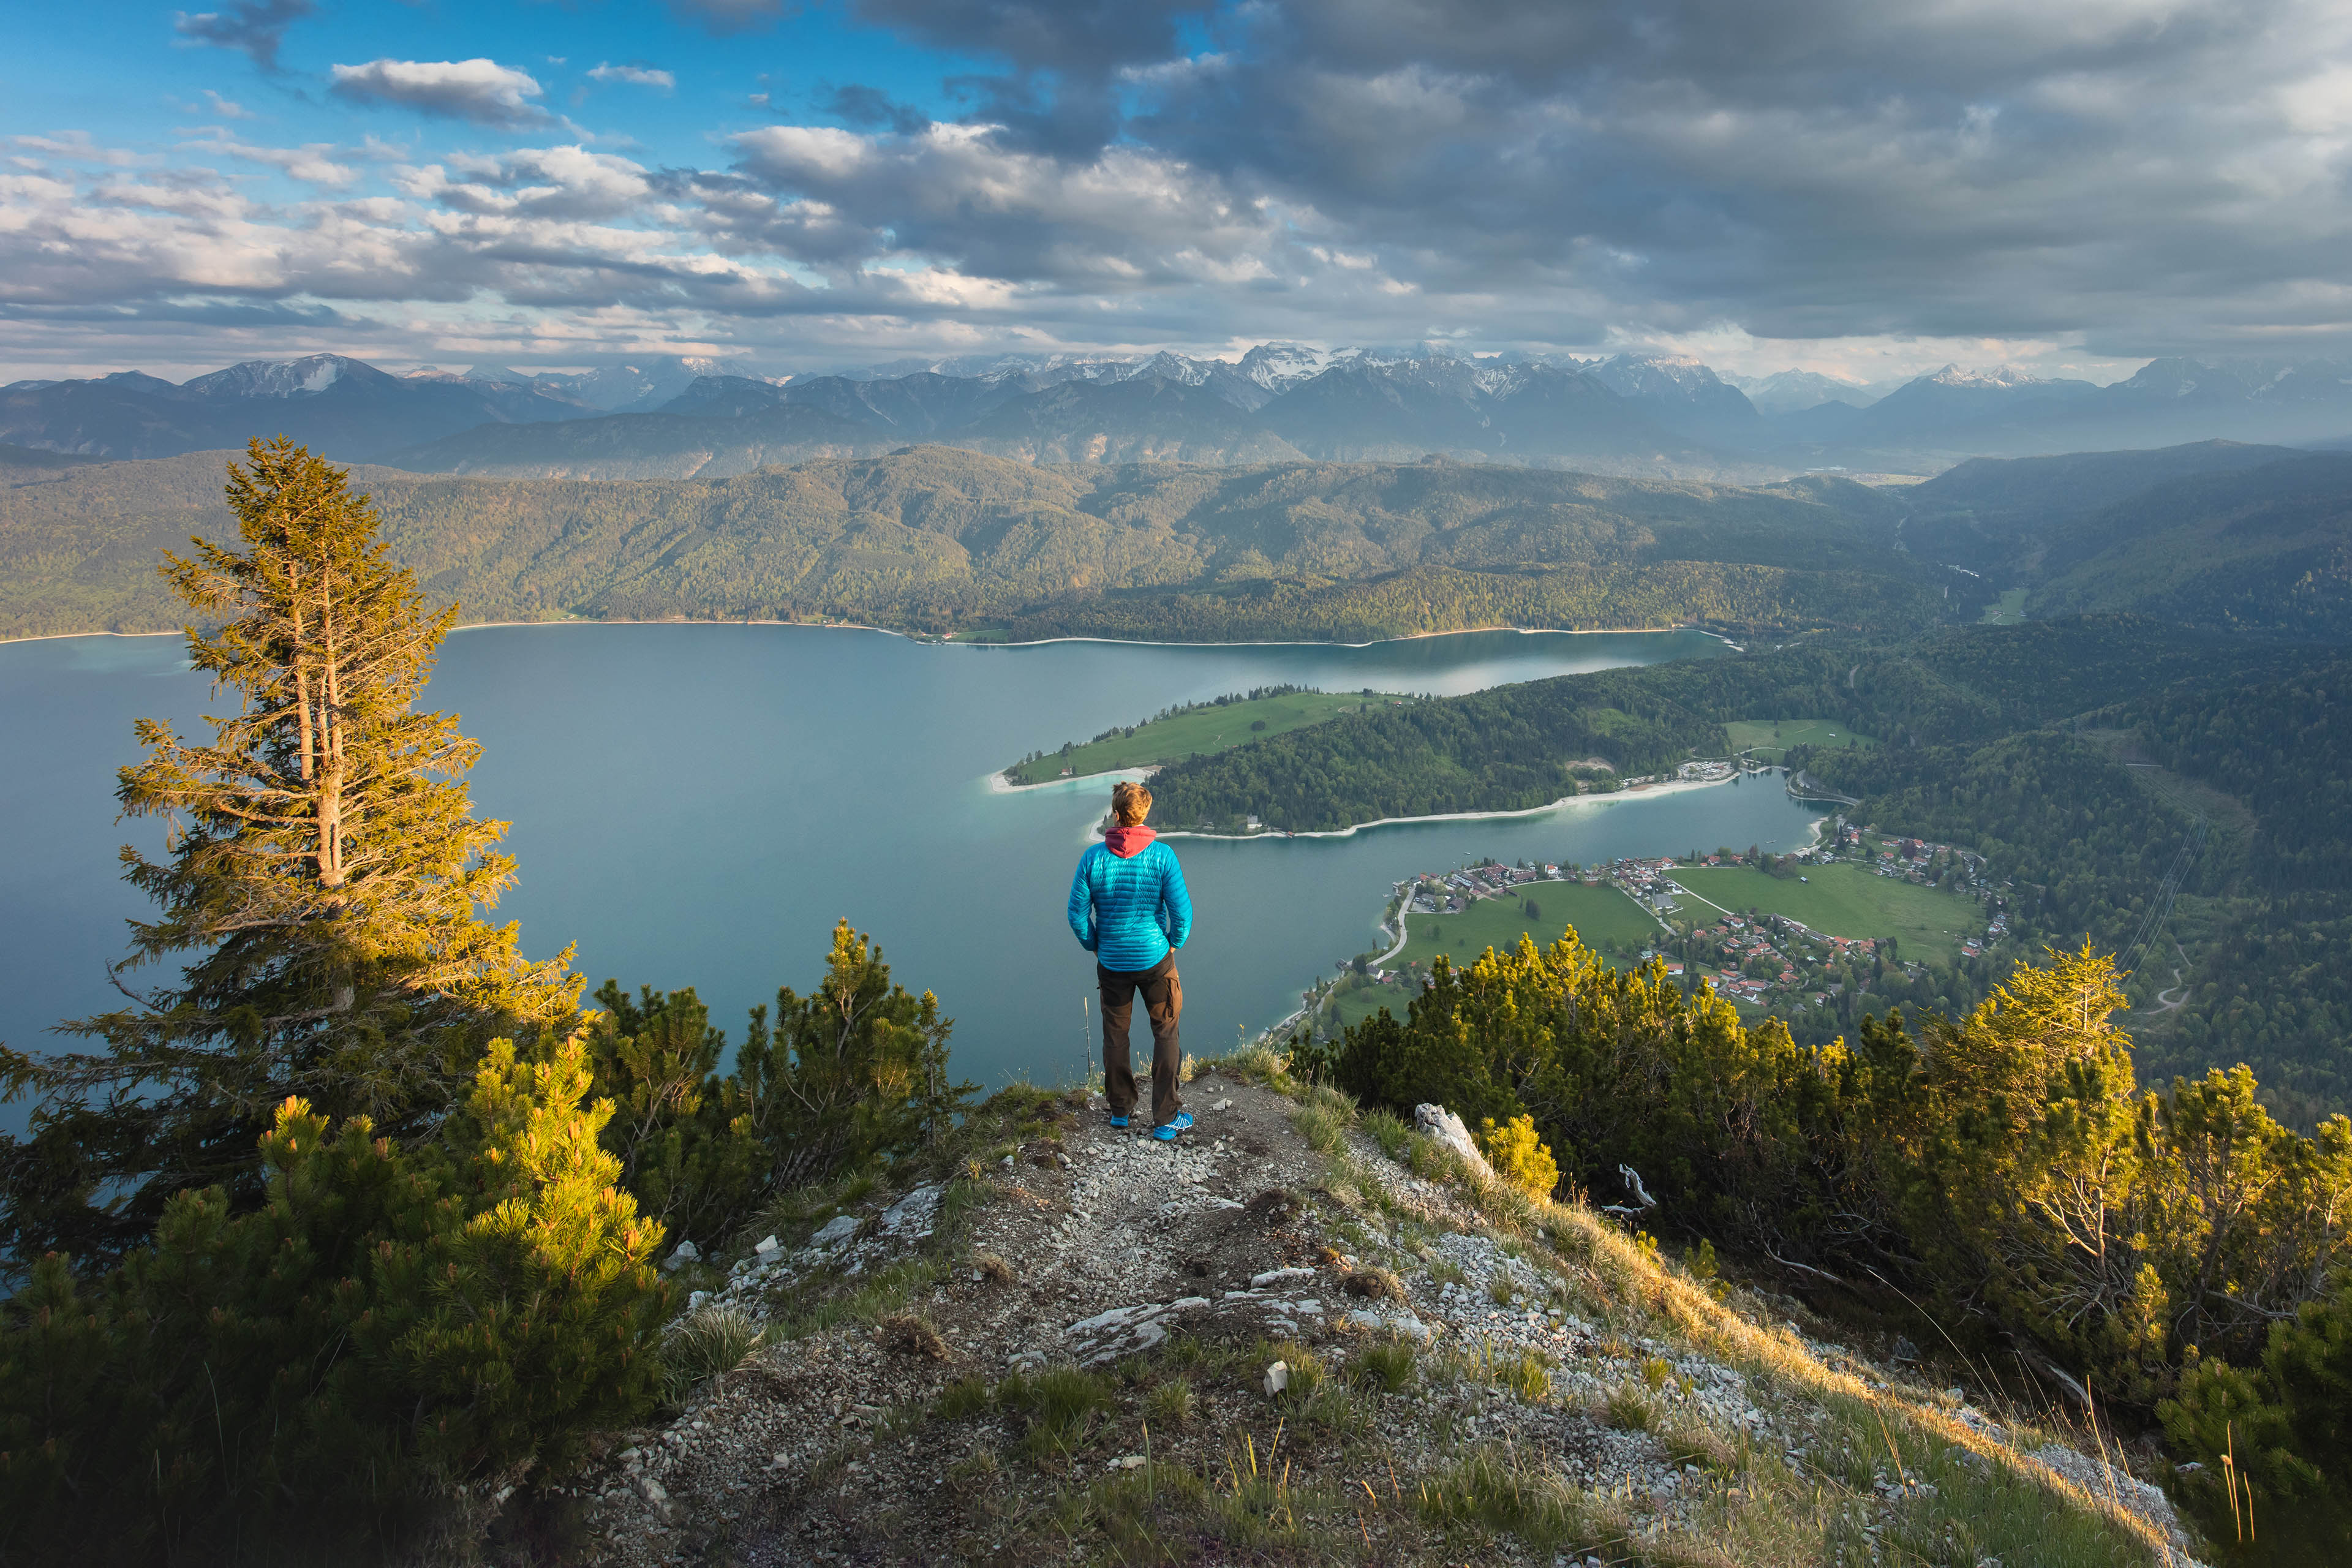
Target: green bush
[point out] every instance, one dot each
(2285, 1423)
(2168, 1247)
(1519, 1156)
(855, 1068)
(387, 1323)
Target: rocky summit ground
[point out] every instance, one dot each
(1300, 1335)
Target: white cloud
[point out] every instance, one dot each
(77, 147)
(481, 91)
(1833, 182)
(961, 194)
(227, 109)
(314, 162)
(640, 76)
(548, 182)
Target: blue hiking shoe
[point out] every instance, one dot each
(1166, 1131)
(1118, 1120)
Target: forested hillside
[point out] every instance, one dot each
(938, 540)
(2213, 535)
(2036, 746)
(2266, 550)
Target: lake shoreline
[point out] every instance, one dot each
(1039, 642)
(1637, 792)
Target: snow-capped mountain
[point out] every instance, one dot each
(1788, 391)
(1659, 413)
(1278, 367)
(637, 385)
(1685, 396)
(281, 378)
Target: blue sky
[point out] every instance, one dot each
(1864, 189)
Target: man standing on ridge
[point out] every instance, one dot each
(1129, 908)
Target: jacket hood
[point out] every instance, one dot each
(1126, 843)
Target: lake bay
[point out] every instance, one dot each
(695, 804)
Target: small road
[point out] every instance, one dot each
(1686, 893)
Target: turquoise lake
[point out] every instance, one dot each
(695, 804)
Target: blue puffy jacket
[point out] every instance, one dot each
(1129, 910)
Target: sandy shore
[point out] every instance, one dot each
(1565, 803)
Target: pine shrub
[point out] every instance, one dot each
(388, 1326)
(1519, 1156)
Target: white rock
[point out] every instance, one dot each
(696, 1299)
(1276, 1276)
(768, 1250)
(1277, 1378)
(1399, 1320)
(835, 1231)
(1117, 1318)
(686, 1252)
(1449, 1130)
(654, 1491)
(914, 1212)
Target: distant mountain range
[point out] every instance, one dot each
(1638, 416)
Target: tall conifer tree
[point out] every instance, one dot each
(321, 886)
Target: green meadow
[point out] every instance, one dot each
(2006, 610)
(1770, 740)
(1840, 899)
(1603, 917)
(1201, 731)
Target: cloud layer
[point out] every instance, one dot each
(480, 91)
(1835, 183)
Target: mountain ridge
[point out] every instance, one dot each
(1670, 415)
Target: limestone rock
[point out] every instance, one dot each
(1277, 1378)
(912, 1216)
(1449, 1130)
(686, 1252)
(1279, 1275)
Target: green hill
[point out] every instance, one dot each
(2264, 550)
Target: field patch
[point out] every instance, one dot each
(1604, 918)
(1769, 739)
(1196, 731)
(2006, 610)
(1840, 900)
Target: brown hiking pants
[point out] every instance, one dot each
(1163, 1000)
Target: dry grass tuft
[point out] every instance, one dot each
(910, 1334)
(993, 1269)
(709, 1343)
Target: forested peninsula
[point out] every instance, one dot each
(2102, 764)
(939, 541)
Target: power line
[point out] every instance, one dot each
(2159, 908)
